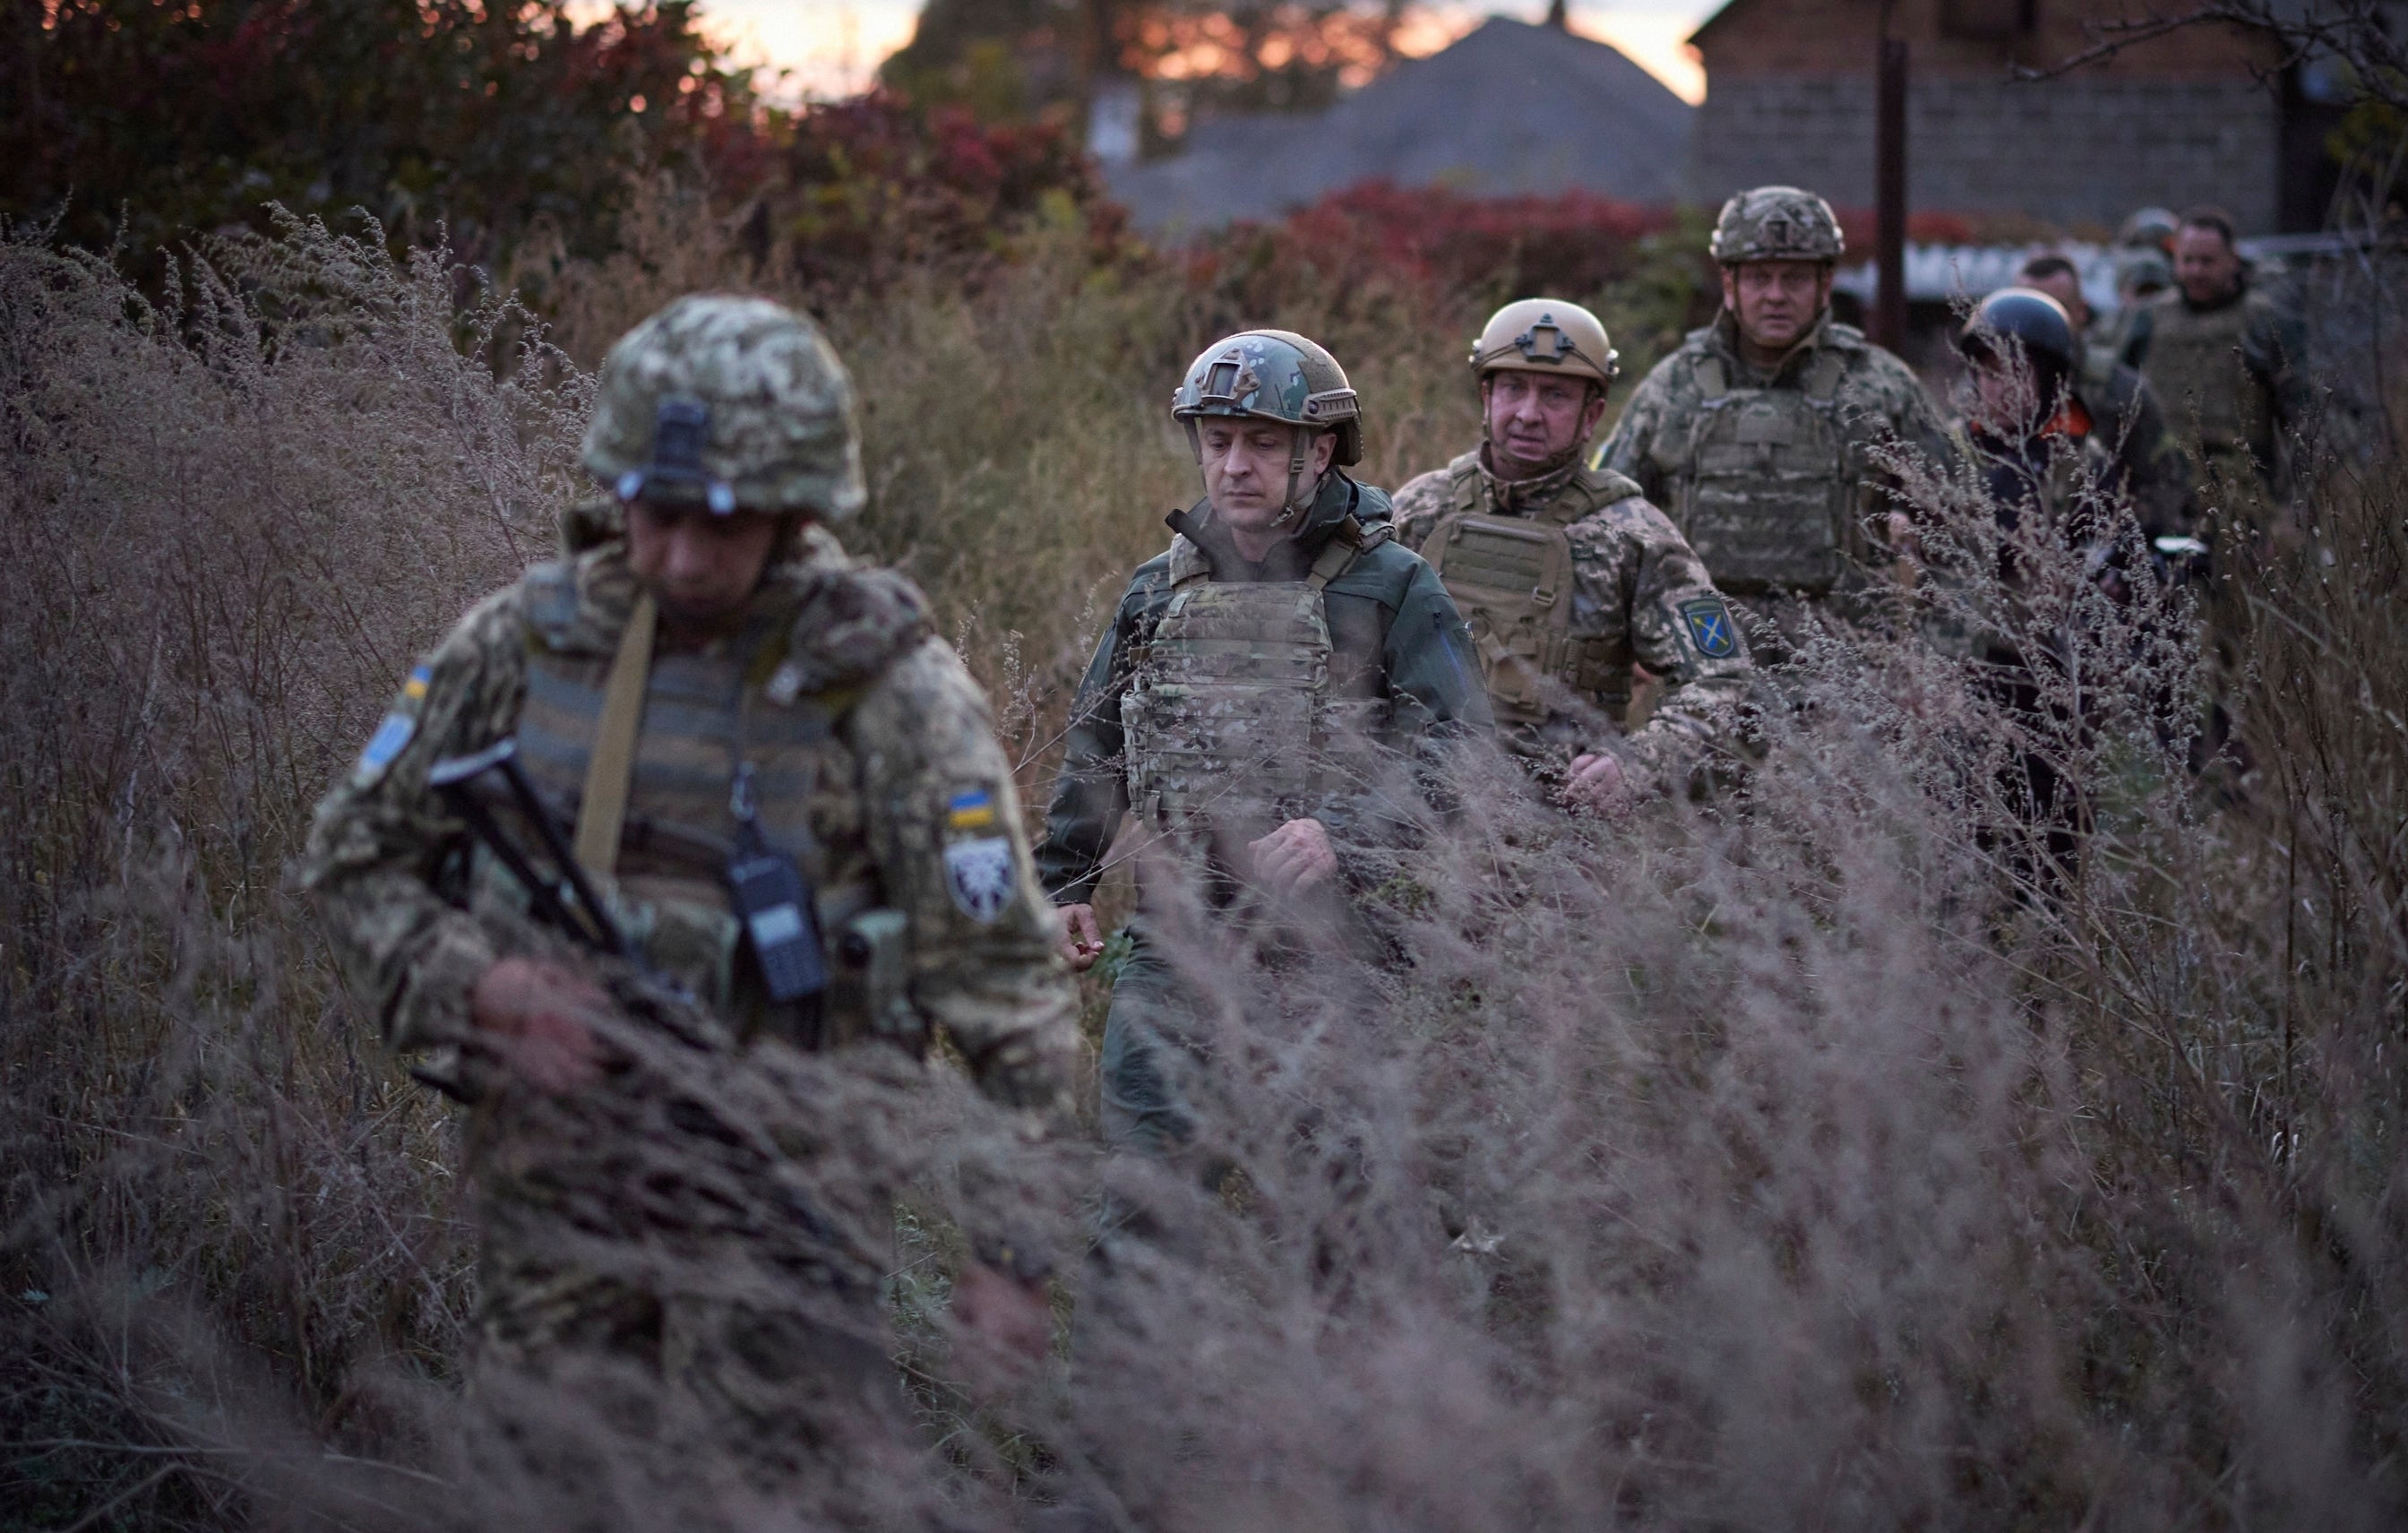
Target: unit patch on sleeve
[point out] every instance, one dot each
(979, 875)
(1710, 628)
(394, 733)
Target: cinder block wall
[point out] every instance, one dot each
(2085, 149)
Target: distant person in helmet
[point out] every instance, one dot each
(2123, 409)
(2227, 362)
(2047, 476)
(1256, 677)
(2149, 229)
(1568, 576)
(1756, 434)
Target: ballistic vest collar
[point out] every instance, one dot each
(1512, 497)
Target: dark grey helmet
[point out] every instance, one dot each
(2020, 320)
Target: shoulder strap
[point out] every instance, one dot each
(1463, 484)
(602, 813)
(1713, 380)
(1336, 554)
(1825, 374)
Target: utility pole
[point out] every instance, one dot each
(1889, 187)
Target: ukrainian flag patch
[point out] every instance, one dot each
(971, 811)
(415, 688)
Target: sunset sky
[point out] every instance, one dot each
(831, 46)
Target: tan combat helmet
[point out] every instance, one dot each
(1544, 336)
(727, 403)
(1777, 224)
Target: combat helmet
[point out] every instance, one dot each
(2018, 322)
(1777, 224)
(1273, 375)
(2149, 229)
(727, 402)
(2142, 274)
(1544, 336)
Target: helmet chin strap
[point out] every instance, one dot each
(1289, 507)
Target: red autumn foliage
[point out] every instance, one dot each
(1382, 235)
(872, 185)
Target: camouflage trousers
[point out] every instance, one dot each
(1149, 1049)
(629, 1378)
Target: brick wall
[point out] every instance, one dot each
(1836, 37)
(2085, 149)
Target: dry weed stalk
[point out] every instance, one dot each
(1829, 1154)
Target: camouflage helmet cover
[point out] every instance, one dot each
(1544, 336)
(1273, 375)
(2149, 229)
(2143, 272)
(729, 402)
(1777, 224)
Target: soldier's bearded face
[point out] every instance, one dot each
(2207, 267)
(701, 569)
(1776, 302)
(1246, 468)
(1534, 419)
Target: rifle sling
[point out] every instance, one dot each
(602, 812)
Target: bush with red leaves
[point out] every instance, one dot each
(872, 186)
(1378, 238)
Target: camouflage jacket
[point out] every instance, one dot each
(1394, 636)
(912, 742)
(1635, 587)
(1874, 397)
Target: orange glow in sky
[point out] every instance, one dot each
(830, 48)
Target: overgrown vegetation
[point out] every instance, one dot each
(1827, 1156)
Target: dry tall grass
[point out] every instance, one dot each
(1823, 1158)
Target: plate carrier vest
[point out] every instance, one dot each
(669, 886)
(1229, 719)
(2193, 362)
(1766, 490)
(1512, 579)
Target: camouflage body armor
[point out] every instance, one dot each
(1511, 578)
(2193, 361)
(1232, 722)
(704, 711)
(1764, 491)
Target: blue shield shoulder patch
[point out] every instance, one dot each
(394, 733)
(979, 875)
(1711, 627)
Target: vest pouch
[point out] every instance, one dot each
(2194, 366)
(1765, 496)
(1511, 577)
(870, 983)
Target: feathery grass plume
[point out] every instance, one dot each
(1845, 1149)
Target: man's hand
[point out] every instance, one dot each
(1295, 858)
(1598, 785)
(1083, 940)
(532, 1014)
(1002, 1326)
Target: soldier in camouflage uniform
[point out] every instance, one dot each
(1755, 434)
(2226, 359)
(1568, 575)
(1258, 680)
(705, 686)
(2123, 409)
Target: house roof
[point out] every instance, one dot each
(1509, 108)
(1696, 38)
